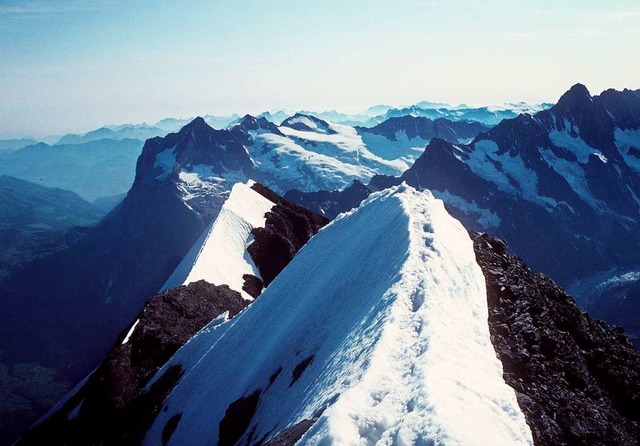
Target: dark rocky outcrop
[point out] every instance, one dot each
(124, 426)
(577, 379)
(300, 368)
(237, 419)
(287, 228)
(291, 435)
(424, 128)
(252, 285)
(170, 427)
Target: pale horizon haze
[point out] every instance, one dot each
(73, 65)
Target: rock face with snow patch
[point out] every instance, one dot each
(255, 235)
(308, 123)
(112, 406)
(406, 133)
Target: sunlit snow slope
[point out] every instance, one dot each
(377, 329)
(220, 255)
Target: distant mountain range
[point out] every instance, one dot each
(65, 168)
(10, 145)
(484, 115)
(94, 169)
(487, 115)
(27, 205)
(36, 221)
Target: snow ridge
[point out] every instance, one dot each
(220, 255)
(391, 326)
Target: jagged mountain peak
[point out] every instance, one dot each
(440, 145)
(575, 98)
(198, 124)
(438, 142)
(196, 152)
(250, 123)
(623, 106)
(424, 129)
(308, 123)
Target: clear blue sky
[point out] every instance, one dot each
(73, 65)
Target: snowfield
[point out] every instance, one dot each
(377, 329)
(220, 255)
(320, 158)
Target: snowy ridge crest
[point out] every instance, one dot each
(393, 349)
(220, 255)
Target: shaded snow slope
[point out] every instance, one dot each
(220, 255)
(387, 341)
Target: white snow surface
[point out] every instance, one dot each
(130, 332)
(220, 255)
(313, 160)
(389, 301)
